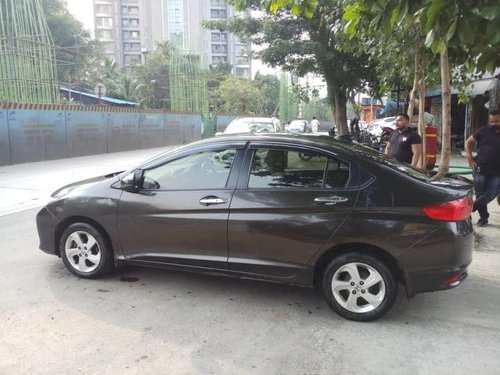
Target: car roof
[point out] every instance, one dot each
(325, 142)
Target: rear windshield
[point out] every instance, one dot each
(392, 163)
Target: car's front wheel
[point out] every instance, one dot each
(359, 287)
(85, 252)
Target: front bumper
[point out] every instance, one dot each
(46, 225)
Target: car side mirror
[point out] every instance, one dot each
(133, 181)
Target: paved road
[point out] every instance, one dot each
(151, 321)
(24, 186)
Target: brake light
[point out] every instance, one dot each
(456, 210)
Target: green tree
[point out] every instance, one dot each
(269, 87)
(309, 42)
(222, 67)
(153, 78)
(240, 95)
(76, 52)
(463, 34)
(460, 32)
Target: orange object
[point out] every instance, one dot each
(431, 138)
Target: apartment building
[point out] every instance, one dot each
(130, 29)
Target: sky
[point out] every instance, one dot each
(82, 10)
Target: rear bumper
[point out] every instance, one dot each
(440, 261)
(46, 226)
(430, 281)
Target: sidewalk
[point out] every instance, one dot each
(29, 185)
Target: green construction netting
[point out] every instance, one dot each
(27, 59)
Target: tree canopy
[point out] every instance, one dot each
(303, 42)
(76, 51)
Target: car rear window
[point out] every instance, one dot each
(276, 168)
(392, 163)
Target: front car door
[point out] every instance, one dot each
(180, 214)
(289, 202)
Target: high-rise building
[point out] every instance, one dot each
(130, 29)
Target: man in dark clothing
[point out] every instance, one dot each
(486, 164)
(405, 145)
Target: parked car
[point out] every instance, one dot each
(244, 125)
(381, 122)
(299, 126)
(346, 219)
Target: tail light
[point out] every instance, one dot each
(456, 210)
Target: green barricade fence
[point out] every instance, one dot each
(456, 170)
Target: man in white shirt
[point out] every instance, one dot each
(314, 125)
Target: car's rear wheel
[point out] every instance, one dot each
(85, 252)
(359, 287)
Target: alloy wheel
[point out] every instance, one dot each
(82, 251)
(358, 287)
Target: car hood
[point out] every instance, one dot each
(83, 184)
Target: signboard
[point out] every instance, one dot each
(100, 90)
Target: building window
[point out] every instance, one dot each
(242, 61)
(104, 34)
(219, 48)
(219, 59)
(103, 8)
(104, 22)
(130, 10)
(241, 72)
(219, 37)
(218, 13)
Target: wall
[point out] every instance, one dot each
(35, 132)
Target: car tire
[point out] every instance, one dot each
(85, 251)
(359, 287)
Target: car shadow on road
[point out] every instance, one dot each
(137, 288)
(252, 323)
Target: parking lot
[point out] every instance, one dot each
(153, 321)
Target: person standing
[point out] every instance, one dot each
(354, 125)
(405, 145)
(314, 125)
(486, 164)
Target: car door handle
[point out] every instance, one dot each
(330, 200)
(210, 200)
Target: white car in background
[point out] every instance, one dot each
(375, 127)
(254, 125)
(299, 126)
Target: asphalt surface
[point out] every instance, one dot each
(141, 321)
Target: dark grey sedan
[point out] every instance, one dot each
(302, 210)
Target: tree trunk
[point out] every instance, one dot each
(338, 103)
(446, 121)
(416, 79)
(421, 118)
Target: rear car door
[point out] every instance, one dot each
(288, 203)
(180, 214)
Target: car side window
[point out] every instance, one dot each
(203, 170)
(273, 168)
(337, 174)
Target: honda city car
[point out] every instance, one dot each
(345, 219)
